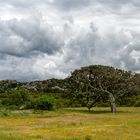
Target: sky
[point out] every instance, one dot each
(43, 39)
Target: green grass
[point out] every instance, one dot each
(71, 124)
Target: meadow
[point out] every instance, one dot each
(71, 124)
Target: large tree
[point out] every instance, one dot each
(99, 83)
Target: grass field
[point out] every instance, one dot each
(71, 124)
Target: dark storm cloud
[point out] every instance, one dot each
(27, 37)
(109, 4)
(71, 4)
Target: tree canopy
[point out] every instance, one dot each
(95, 83)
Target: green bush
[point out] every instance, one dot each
(16, 97)
(44, 103)
(5, 112)
(137, 104)
(135, 101)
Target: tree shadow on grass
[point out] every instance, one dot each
(93, 111)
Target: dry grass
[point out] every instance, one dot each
(72, 124)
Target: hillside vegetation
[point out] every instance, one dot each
(90, 86)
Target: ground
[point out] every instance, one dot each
(71, 124)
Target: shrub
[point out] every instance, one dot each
(16, 97)
(4, 112)
(137, 104)
(44, 103)
(135, 101)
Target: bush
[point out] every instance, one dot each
(4, 112)
(44, 103)
(137, 104)
(16, 97)
(135, 101)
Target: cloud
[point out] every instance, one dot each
(70, 4)
(108, 5)
(129, 56)
(45, 39)
(21, 3)
(108, 48)
(28, 37)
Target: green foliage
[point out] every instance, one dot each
(90, 86)
(15, 97)
(102, 83)
(137, 104)
(44, 103)
(5, 112)
(136, 101)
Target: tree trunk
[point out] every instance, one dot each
(112, 102)
(113, 107)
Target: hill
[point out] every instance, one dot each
(89, 86)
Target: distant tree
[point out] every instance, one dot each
(99, 83)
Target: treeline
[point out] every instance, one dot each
(90, 86)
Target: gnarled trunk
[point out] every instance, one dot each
(112, 102)
(113, 107)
